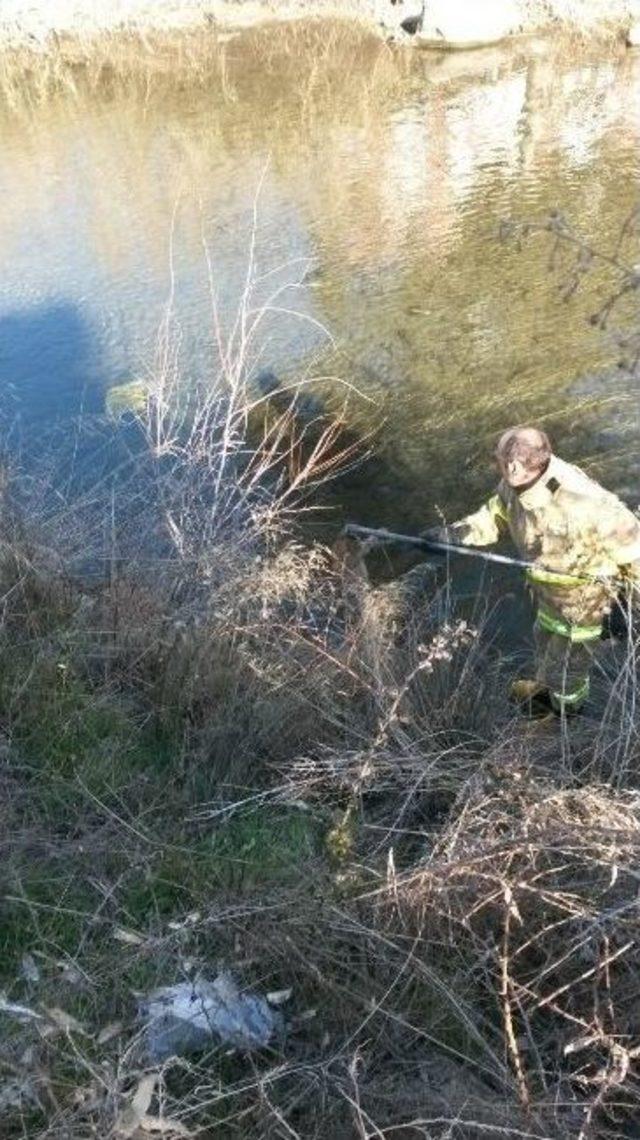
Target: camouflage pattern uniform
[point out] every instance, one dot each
(566, 524)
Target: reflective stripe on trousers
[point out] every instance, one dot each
(563, 662)
(573, 700)
(574, 633)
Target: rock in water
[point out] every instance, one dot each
(460, 23)
(398, 16)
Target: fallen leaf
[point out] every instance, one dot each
(614, 875)
(28, 968)
(129, 937)
(71, 974)
(109, 1032)
(512, 906)
(580, 1043)
(86, 1096)
(132, 1116)
(164, 1126)
(65, 1021)
(188, 920)
(279, 997)
(21, 1011)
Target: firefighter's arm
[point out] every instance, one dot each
(624, 548)
(482, 528)
(630, 575)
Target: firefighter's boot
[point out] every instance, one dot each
(532, 697)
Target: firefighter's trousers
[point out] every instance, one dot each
(563, 666)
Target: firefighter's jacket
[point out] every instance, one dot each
(567, 525)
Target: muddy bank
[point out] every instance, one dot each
(455, 23)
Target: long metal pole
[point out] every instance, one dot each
(433, 547)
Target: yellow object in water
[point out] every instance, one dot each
(123, 398)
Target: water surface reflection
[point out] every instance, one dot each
(378, 182)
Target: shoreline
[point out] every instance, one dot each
(46, 24)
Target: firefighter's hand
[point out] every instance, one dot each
(434, 534)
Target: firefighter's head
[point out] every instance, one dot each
(523, 455)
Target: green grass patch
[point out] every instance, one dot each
(43, 910)
(54, 716)
(265, 848)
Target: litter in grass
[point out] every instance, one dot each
(192, 1016)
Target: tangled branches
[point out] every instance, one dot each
(573, 257)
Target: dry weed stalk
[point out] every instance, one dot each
(541, 885)
(469, 967)
(153, 65)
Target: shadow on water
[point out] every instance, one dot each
(53, 382)
(48, 362)
(80, 468)
(52, 385)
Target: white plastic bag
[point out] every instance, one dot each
(192, 1016)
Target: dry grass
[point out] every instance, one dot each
(539, 884)
(154, 65)
(75, 69)
(242, 752)
(188, 754)
(231, 748)
(334, 800)
(581, 15)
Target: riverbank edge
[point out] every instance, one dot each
(176, 816)
(44, 27)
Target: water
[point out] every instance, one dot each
(378, 180)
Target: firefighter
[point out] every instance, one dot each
(584, 542)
